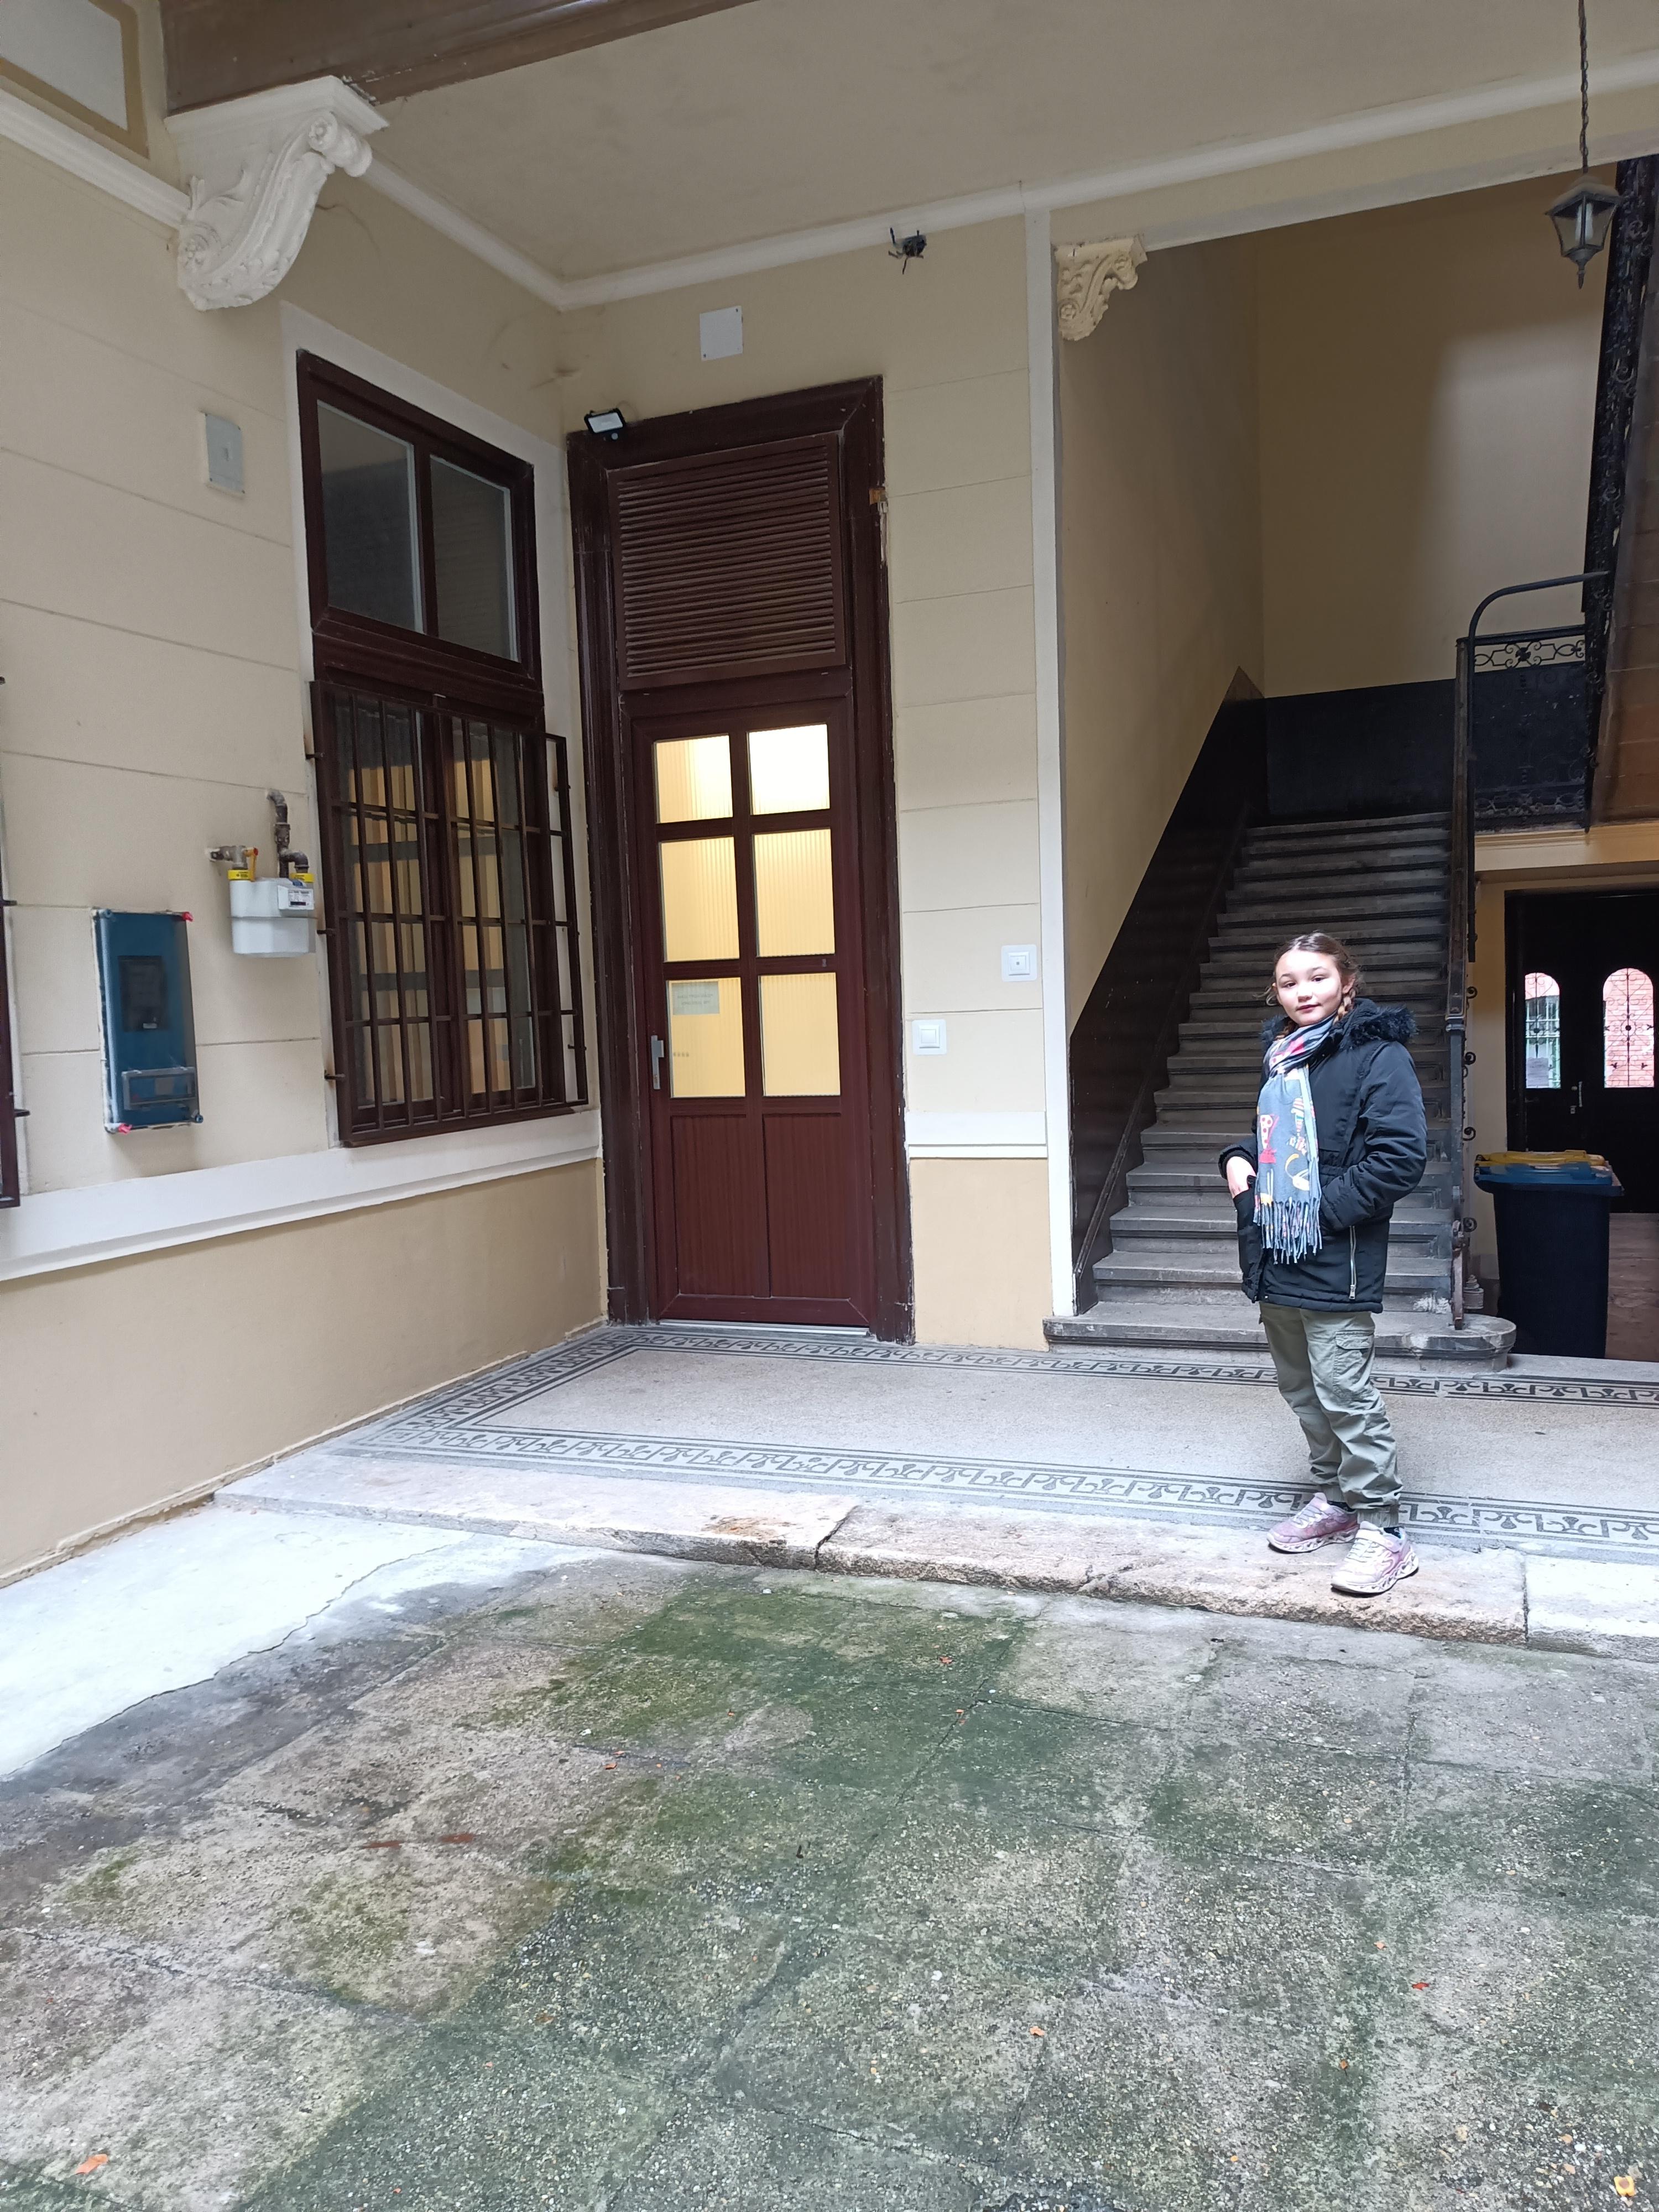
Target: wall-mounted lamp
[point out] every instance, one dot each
(1583, 216)
(606, 423)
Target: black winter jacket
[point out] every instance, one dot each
(1373, 1147)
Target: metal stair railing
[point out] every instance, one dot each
(1460, 896)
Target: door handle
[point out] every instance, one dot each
(1577, 1097)
(657, 1048)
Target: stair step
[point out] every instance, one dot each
(1418, 925)
(1322, 851)
(1236, 965)
(1349, 826)
(1217, 1087)
(1244, 1024)
(1226, 1111)
(1199, 1150)
(1348, 907)
(1203, 1275)
(1229, 1056)
(1432, 864)
(1210, 1332)
(1243, 1047)
(1161, 1182)
(1140, 1224)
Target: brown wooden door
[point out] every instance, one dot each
(752, 1035)
(733, 622)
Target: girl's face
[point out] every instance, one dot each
(1310, 988)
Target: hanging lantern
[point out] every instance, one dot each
(1583, 216)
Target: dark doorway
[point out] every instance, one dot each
(1581, 967)
(732, 612)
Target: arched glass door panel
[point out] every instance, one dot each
(1627, 1031)
(1543, 1032)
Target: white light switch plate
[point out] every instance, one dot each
(224, 453)
(1019, 964)
(720, 333)
(928, 1036)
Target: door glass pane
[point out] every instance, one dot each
(801, 1047)
(472, 558)
(700, 900)
(789, 770)
(794, 902)
(369, 520)
(1627, 1030)
(693, 779)
(705, 1038)
(1543, 1032)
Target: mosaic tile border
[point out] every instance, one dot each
(598, 1347)
(471, 1423)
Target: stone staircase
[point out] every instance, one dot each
(1170, 1286)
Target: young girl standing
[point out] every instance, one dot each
(1340, 1139)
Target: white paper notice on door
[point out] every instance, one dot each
(694, 998)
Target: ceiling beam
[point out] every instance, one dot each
(220, 49)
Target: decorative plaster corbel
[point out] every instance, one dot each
(1089, 275)
(256, 167)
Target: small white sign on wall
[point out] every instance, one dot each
(720, 333)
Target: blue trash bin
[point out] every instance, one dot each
(1552, 1210)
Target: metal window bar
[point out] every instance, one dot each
(10, 1112)
(452, 932)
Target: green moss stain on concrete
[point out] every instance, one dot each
(798, 1894)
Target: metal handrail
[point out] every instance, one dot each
(1459, 916)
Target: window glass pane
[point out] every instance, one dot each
(1627, 1030)
(789, 770)
(700, 900)
(1543, 1032)
(693, 779)
(369, 521)
(705, 1038)
(801, 1047)
(472, 559)
(794, 903)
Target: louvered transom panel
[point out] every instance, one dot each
(729, 565)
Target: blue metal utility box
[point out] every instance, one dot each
(149, 1027)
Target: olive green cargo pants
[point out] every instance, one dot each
(1323, 1361)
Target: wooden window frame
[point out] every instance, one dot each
(852, 414)
(359, 648)
(438, 684)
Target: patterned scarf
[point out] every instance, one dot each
(1287, 1147)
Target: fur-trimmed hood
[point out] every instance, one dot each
(1367, 1024)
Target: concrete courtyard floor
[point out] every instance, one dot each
(510, 1876)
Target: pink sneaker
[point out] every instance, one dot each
(1376, 1562)
(1318, 1522)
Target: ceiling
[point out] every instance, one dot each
(787, 114)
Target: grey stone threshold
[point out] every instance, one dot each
(1494, 1595)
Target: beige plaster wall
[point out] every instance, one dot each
(948, 339)
(129, 1385)
(982, 1243)
(1161, 578)
(149, 634)
(150, 625)
(1428, 391)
